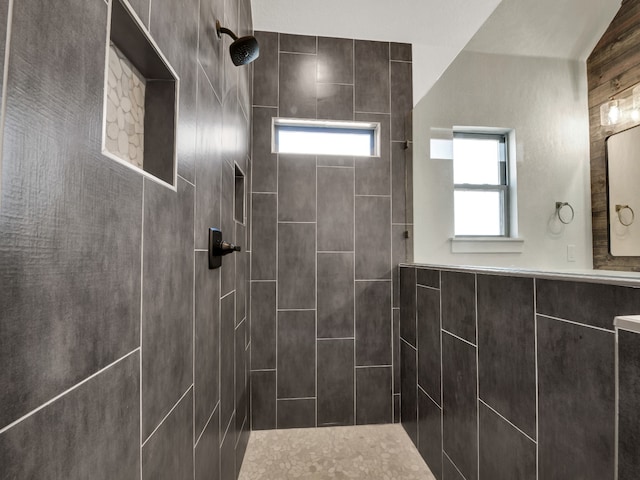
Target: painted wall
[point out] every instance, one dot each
(545, 102)
(123, 355)
(509, 376)
(328, 235)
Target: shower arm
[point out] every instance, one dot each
(220, 30)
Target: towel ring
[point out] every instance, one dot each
(559, 207)
(620, 208)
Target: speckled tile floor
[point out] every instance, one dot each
(376, 452)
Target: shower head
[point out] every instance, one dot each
(243, 50)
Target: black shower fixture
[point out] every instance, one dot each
(243, 50)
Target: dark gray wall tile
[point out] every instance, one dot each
(263, 325)
(141, 7)
(335, 102)
(228, 458)
(207, 454)
(297, 43)
(428, 278)
(396, 408)
(168, 454)
(408, 316)
(174, 25)
(56, 212)
(4, 13)
(297, 413)
(373, 173)
(335, 295)
(335, 382)
(100, 415)
(208, 161)
(517, 453)
(228, 227)
(373, 250)
(401, 51)
(265, 163)
(242, 272)
(265, 71)
(264, 236)
(241, 448)
(373, 323)
(227, 358)
(167, 304)
(263, 400)
(210, 47)
(297, 85)
(207, 340)
(459, 304)
(507, 349)
(241, 379)
(429, 361)
(374, 396)
(629, 405)
(430, 433)
(296, 354)
(297, 188)
(576, 437)
(401, 99)
(399, 254)
(402, 188)
(449, 470)
(335, 60)
(409, 390)
(372, 76)
(296, 265)
(396, 351)
(335, 209)
(335, 161)
(587, 303)
(460, 404)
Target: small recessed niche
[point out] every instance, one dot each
(238, 213)
(140, 104)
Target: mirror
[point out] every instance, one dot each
(623, 176)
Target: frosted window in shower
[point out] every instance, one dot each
(325, 138)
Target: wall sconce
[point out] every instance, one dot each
(621, 108)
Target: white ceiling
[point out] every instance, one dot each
(545, 28)
(440, 29)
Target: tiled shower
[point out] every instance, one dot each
(328, 234)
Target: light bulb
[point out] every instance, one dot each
(609, 113)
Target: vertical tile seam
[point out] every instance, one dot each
(535, 326)
(277, 315)
(475, 294)
(441, 373)
(616, 444)
(141, 316)
(390, 233)
(5, 79)
(355, 308)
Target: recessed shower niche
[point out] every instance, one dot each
(141, 98)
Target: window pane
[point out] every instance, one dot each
(476, 161)
(325, 141)
(478, 213)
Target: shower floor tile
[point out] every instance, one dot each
(376, 452)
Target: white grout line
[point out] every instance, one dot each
(505, 419)
(475, 295)
(328, 339)
(432, 400)
(67, 391)
(576, 323)
(185, 180)
(358, 367)
(167, 415)
(296, 398)
(454, 465)
(225, 296)
(141, 309)
(428, 287)
(263, 370)
(459, 338)
(408, 344)
(616, 445)
(535, 326)
(206, 424)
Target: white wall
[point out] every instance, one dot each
(545, 101)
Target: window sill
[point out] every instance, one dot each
(486, 245)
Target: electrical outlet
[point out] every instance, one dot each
(571, 253)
